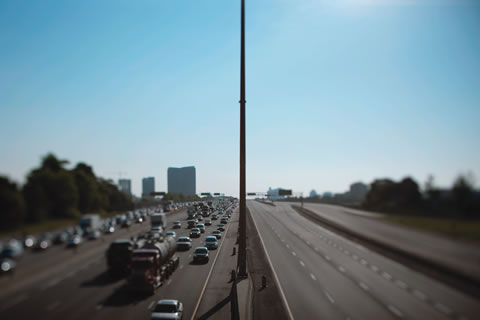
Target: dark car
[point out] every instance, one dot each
(200, 255)
(60, 238)
(195, 233)
(74, 241)
(211, 242)
(221, 227)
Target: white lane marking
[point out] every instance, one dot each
(420, 295)
(308, 243)
(316, 249)
(401, 284)
(209, 274)
(386, 276)
(288, 246)
(363, 261)
(51, 283)
(150, 306)
(72, 273)
(13, 302)
(282, 240)
(443, 308)
(374, 268)
(313, 277)
(169, 281)
(53, 305)
(327, 258)
(342, 269)
(329, 296)
(302, 263)
(293, 252)
(363, 285)
(284, 298)
(181, 266)
(395, 311)
(346, 252)
(355, 257)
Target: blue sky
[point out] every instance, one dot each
(337, 91)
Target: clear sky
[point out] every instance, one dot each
(337, 91)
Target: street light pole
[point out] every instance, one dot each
(242, 245)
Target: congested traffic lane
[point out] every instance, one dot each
(86, 291)
(353, 281)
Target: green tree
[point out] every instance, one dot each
(12, 205)
(50, 191)
(89, 199)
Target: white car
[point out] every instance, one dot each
(168, 309)
(172, 233)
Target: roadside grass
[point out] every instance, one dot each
(41, 227)
(456, 228)
(50, 225)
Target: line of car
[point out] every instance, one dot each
(171, 308)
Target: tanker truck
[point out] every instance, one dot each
(152, 264)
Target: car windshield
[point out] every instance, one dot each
(164, 308)
(201, 250)
(211, 239)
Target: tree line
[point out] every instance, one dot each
(407, 197)
(53, 191)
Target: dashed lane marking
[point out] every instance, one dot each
(313, 277)
(401, 284)
(150, 306)
(420, 295)
(364, 262)
(294, 253)
(374, 268)
(327, 258)
(442, 308)
(302, 263)
(329, 296)
(342, 269)
(395, 311)
(363, 285)
(387, 276)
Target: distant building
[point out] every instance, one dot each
(148, 186)
(358, 191)
(182, 180)
(313, 194)
(125, 185)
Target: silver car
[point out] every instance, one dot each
(168, 309)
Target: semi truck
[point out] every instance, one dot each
(158, 222)
(152, 264)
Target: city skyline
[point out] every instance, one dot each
(366, 90)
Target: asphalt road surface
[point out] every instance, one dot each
(325, 276)
(62, 284)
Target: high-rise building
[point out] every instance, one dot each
(182, 180)
(148, 186)
(125, 185)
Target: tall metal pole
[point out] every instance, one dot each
(242, 245)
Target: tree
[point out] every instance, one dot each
(463, 194)
(12, 205)
(89, 199)
(50, 191)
